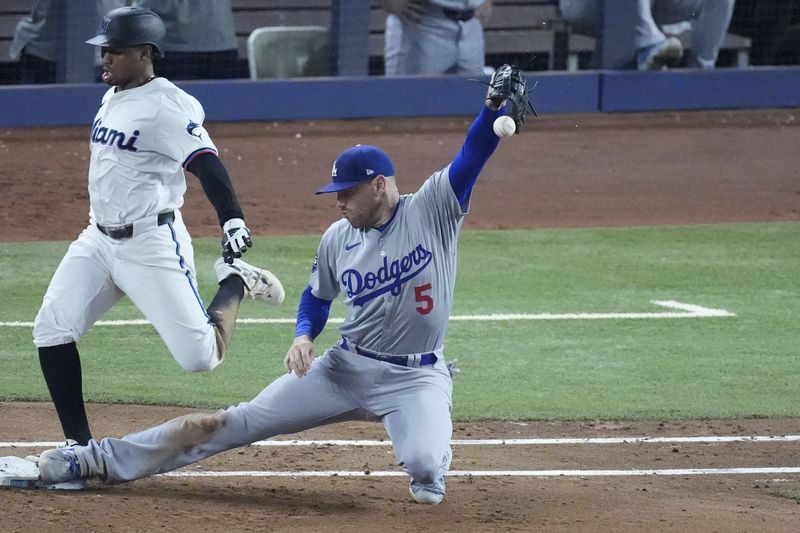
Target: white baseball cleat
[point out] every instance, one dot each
(60, 466)
(426, 496)
(259, 284)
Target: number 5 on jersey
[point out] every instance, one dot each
(424, 301)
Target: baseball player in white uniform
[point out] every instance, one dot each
(146, 132)
(392, 258)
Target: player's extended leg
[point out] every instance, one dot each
(79, 293)
(417, 402)
(224, 309)
(156, 271)
(235, 281)
(288, 405)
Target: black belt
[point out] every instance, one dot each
(425, 359)
(126, 231)
(458, 16)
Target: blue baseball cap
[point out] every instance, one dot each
(356, 165)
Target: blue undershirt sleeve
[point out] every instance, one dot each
(312, 314)
(478, 146)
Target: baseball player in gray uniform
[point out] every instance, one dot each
(146, 132)
(392, 258)
(434, 37)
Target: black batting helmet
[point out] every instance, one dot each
(130, 26)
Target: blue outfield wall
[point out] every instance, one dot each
(305, 99)
(693, 90)
(367, 97)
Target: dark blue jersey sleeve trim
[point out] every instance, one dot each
(312, 314)
(479, 145)
(190, 157)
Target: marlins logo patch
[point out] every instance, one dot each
(194, 126)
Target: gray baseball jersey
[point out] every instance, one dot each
(397, 284)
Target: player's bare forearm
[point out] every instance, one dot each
(300, 356)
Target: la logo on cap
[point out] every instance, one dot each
(357, 165)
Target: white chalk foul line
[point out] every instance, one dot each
(710, 439)
(685, 311)
(501, 473)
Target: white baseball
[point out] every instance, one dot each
(504, 126)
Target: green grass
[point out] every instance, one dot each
(742, 366)
(789, 494)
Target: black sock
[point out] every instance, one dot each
(223, 310)
(61, 367)
(231, 291)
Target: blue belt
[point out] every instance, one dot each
(425, 359)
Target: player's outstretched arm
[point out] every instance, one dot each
(507, 94)
(478, 146)
(217, 185)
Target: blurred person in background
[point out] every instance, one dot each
(201, 39)
(654, 49)
(435, 36)
(773, 26)
(34, 45)
(36, 40)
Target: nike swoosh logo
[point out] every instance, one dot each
(351, 246)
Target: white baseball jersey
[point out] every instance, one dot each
(140, 140)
